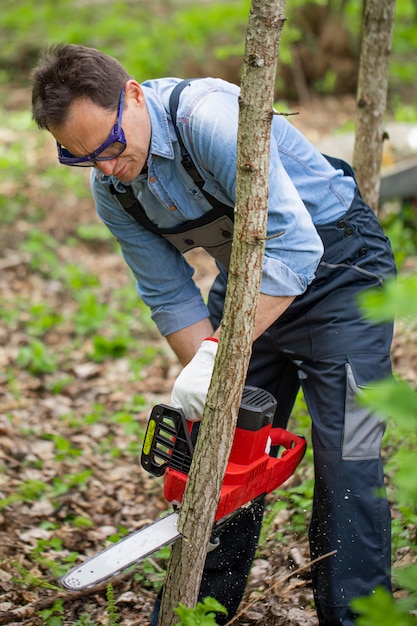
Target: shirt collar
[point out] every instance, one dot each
(161, 139)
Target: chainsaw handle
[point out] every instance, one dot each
(282, 437)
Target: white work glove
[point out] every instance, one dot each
(190, 389)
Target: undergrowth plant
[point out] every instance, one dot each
(54, 615)
(204, 614)
(112, 610)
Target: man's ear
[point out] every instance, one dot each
(134, 92)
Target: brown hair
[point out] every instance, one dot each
(66, 72)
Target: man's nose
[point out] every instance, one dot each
(105, 167)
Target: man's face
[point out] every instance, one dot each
(89, 125)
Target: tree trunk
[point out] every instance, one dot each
(378, 21)
(220, 414)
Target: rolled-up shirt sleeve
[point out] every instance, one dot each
(164, 279)
(293, 247)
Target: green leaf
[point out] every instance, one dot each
(392, 398)
(398, 298)
(407, 577)
(204, 614)
(104, 348)
(380, 609)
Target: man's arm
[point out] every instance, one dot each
(187, 341)
(270, 308)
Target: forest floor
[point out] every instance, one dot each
(70, 476)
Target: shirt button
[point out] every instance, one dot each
(341, 224)
(363, 252)
(172, 207)
(152, 179)
(348, 232)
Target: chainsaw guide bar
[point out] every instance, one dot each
(121, 555)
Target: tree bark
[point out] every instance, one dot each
(220, 414)
(377, 28)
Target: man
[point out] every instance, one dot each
(308, 329)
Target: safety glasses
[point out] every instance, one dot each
(113, 147)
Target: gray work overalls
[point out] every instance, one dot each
(323, 344)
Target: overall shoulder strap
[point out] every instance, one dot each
(186, 160)
(132, 205)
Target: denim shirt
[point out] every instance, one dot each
(304, 191)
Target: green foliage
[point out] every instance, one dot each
(36, 358)
(111, 325)
(393, 398)
(380, 610)
(400, 225)
(94, 233)
(91, 313)
(398, 299)
(61, 485)
(404, 523)
(151, 572)
(204, 614)
(58, 383)
(128, 421)
(32, 489)
(41, 249)
(104, 348)
(82, 522)
(175, 39)
(149, 43)
(52, 565)
(29, 579)
(404, 40)
(14, 158)
(77, 278)
(54, 615)
(84, 620)
(41, 319)
(63, 447)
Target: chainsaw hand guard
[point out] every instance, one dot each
(167, 441)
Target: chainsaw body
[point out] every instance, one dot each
(168, 451)
(250, 471)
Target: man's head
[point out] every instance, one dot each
(68, 72)
(83, 97)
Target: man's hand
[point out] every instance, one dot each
(190, 389)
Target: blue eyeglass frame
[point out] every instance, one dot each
(116, 136)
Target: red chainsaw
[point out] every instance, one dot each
(168, 451)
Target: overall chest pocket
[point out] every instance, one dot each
(215, 237)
